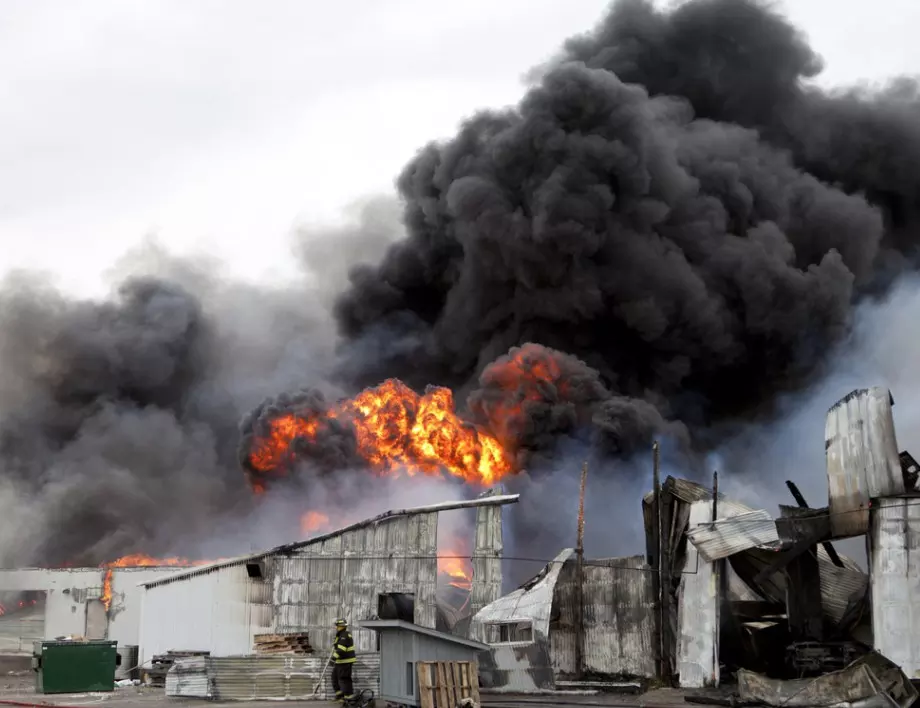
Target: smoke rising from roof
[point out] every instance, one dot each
(671, 215)
(668, 202)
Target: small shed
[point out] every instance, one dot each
(403, 644)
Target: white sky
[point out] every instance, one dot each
(218, 125)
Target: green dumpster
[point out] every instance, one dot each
(74, 667)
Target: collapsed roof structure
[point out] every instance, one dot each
(735, 590)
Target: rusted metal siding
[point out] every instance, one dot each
(698, 613)
(343, 575)
(487, 555)
(894, 569)
(521, 666)
(251, 678)
(219, 611)
(734, 533)
(862, 458)
(619, 617)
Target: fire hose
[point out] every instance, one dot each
(322, 676)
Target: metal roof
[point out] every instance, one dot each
(383, 625)
(290, 547)
(734, 533)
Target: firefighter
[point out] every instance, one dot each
(343, 658)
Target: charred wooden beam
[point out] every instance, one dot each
(784, 559)
(800, 500)
(756, 609)
(803, 597)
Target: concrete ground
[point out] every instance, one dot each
(17, 688)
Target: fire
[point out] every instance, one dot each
(457, 567)
(454, 564)
(396, 430)
(314, 521)
(138, 560)
(528, 375)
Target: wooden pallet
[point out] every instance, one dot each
(294, 643)
(443, 684)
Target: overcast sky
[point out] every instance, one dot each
(219, 125)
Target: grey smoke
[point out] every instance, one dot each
(119, 418)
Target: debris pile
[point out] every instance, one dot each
(769, 601)
(160, 664)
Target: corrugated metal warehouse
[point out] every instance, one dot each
(303, 587)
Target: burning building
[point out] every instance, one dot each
(91, 603)
(384, 567)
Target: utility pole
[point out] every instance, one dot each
(580, 578)
(662, 576)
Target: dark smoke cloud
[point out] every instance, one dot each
(737, 62)
(669, 203)
(536, 400)
(119, 418)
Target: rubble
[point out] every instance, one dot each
(749, 607)
(772, 602)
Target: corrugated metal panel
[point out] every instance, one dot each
(838, 585)
(532, 601)
(343, 575)
(219, 612)
(698, 647)
(728, 536)
(562, 634)
(521, 667)
(894, 564)
(619, 617)
(247, 678)
(316, 540)
(487, 555)
(862, 458)
(188, 678)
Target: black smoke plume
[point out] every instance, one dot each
(670, 202)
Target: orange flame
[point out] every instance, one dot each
(454, 564)
(313, 521)
(138, 560)
(396, 429)
(509, 385)
(457, 568)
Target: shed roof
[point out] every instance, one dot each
(393, 624)
(498, 500)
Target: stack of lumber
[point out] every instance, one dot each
(293, 643)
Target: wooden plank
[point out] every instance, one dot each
(458, 681)
(474, 682)
(465, 679)
(442, 685)
(425, 692)
(453, 682)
